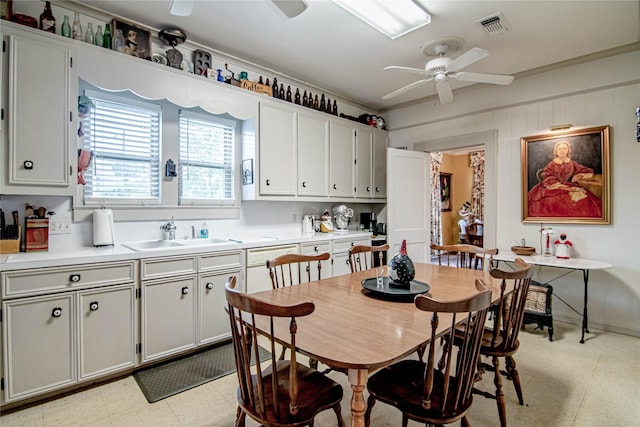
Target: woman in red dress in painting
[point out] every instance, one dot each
(558, 194)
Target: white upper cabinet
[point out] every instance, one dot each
(40, 108)
(313, 154)
(277, 143)
(364, 160)
(380, 142)
(341, 143)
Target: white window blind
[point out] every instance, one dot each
(124, 136)
(206, 166)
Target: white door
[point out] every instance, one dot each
(408, 202)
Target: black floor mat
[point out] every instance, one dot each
(161, 381)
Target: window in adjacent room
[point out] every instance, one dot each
(124, 137)
(206, 166)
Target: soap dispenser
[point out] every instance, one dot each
(204, 231)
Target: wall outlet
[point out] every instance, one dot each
(57, 226)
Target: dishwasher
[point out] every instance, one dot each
(257, 277)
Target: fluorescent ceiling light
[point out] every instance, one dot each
(392, 18)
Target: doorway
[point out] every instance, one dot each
(461, 146)
(462, 187)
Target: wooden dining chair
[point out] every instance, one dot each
(291, 269)
(472, 234)
(500, 340)
(284, 393)
(464, 256)
(428, 392)
(361, 257)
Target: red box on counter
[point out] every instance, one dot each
(37, 235)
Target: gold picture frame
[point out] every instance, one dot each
(565, 177)
(137, 41)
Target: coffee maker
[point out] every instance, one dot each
(368, 219)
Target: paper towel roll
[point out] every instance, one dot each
(102, 227)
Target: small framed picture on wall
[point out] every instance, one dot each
(445, 192)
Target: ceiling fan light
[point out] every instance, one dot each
(391, 18)
(182, 7)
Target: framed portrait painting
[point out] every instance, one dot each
(445, 192)
(565, 177)
(137, 42)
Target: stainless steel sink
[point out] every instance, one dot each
(149, 245)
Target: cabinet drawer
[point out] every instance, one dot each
(315, 248)
(171, 266)
(344, 245)
(30, 282)
(220, 261)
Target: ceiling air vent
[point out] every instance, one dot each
(495, 24)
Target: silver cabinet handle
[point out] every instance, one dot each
(93, 306)
(185, 290)
(209, 285)
(74, 278)
(57, 312)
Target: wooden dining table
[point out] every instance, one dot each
(359, 331)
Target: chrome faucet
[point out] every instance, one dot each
(171, 228)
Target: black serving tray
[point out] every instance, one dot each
(392, 290)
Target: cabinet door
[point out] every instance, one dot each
(341, 264)
(39, 347)
(277, 148)
(40, 118)
(168, 316)
(341, 159)
(364, 159)
(107, 324)
(213, 319)
(380, 164)
(313, 154)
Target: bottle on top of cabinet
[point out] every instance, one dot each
(47, 20)
(76, 30)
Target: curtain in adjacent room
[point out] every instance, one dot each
(436, 223)
(477, 189)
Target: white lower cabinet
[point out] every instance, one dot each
(341, 253)
(317, 248)
(168, 316)
(183, 301)
(54, 341)
(39, 345)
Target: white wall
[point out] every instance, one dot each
(601, 92)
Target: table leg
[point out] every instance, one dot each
(585, 315)
(358, 381)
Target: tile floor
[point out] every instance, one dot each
(565, 383)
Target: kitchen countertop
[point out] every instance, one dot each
(118, 252)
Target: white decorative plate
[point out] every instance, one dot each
(159, 58)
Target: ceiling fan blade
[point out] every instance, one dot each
(496, 79)
(406, 88)
(410, 70)
(182, 7)
(291, 8)
(444, 92)
(467, 58)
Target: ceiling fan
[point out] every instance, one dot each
(442, 68)
(291, 8)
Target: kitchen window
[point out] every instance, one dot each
(206, 166)
(124, 137)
